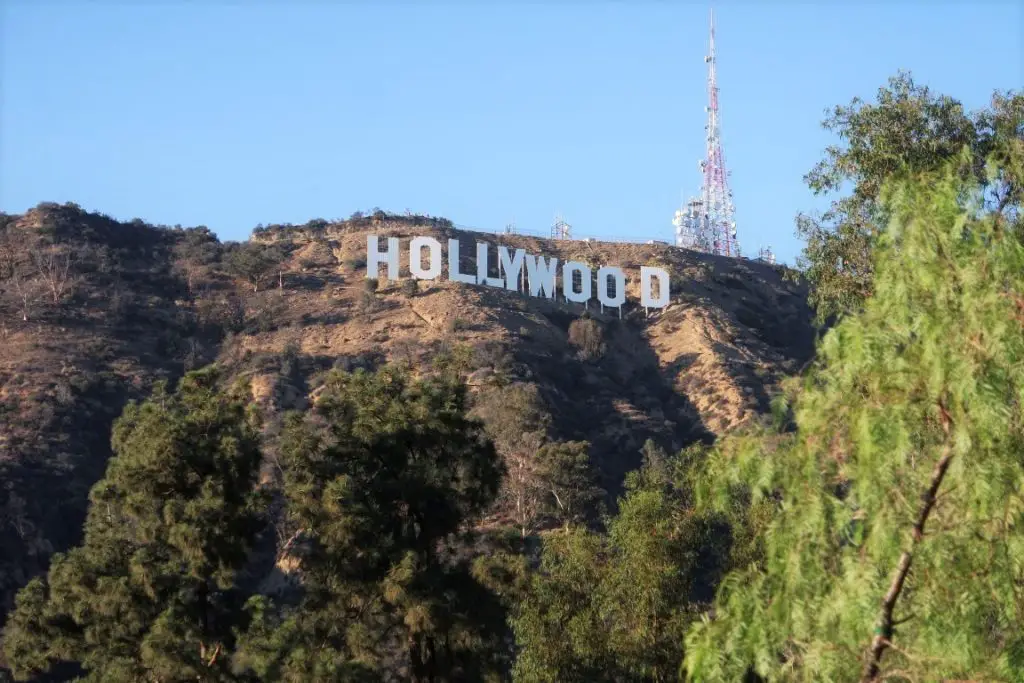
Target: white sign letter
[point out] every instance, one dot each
(453, 264)
(511, 267)
(482, 267)
(541, 275)
(431, 272)
(568, 286)
(374, 257)
(646, 297)
(602, 286)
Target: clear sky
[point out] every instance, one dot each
(234, 114)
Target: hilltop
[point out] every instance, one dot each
(94, 311)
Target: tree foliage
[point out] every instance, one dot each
(254, 262)
(517, 421)
(150, 594)
(197, 250)
(568, 477)
(381, 479)
(908, 129)
(616, 607)
(895, 544)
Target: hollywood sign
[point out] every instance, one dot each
(519, 271)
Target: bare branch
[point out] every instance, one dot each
(53, 264)
(884, 631)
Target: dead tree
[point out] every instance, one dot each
(53, 263)
(19, 278)
(26, 289)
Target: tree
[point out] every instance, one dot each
(18, 276)
(587, 335)
(565, 472)
(515, 419)
(53, 264)
(909, 128)
(381, 480)
(26, 286)
(150, 595)
(893, 552)
(558, 627)
(616, 607)
(254, 262)
(197, 250)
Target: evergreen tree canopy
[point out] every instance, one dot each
(381, 479)
(149, 595)
(894, 550)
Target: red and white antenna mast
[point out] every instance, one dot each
(708, 224)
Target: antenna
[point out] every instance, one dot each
(707, 223)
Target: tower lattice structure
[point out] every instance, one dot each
(561, 230)
(707, 223)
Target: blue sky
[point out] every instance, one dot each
(234, 114)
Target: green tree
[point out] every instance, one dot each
(566, 473)
(895, 544)
(558, 627)
(254, 262)
(382, 479)
(616, 607)
(909, 128)
(196, 250)
(516, 419)
(150, 594)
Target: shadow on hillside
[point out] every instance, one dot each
(329, 318)
(616, 402)
(679, 365)
(745, 377)
(62, 449)
(310, 282)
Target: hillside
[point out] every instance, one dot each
(94, 311)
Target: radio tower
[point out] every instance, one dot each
(707, 223)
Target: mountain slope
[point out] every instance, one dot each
(142, 303)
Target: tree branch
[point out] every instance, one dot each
(883, 633)
(216, 653)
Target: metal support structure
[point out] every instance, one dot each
(561, 230)
(707, 223)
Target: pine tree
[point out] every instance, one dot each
(382, 479)
(150, 594)
(894, 550)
